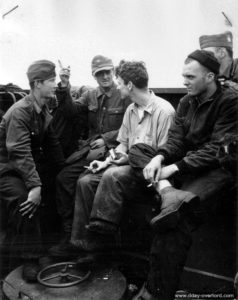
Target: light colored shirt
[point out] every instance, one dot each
(152, 128)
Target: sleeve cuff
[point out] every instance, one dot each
(182, 167)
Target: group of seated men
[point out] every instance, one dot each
(157, 151)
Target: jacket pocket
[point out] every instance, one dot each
(115, 117)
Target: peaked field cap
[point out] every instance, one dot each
(41, 70)
(100, 62)
(207, 59)
(217, 40)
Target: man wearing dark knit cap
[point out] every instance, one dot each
(189, 158)
(222, 47)
(26, 141)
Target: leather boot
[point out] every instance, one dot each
(174, 203)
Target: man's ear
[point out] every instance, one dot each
(211, 76)
(130, 85)
(222, 52)
(37, 83)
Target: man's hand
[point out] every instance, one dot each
(97, 144)
(152, 171)
(96, 165)
(168, 171)
(30, 206)
(121, 158)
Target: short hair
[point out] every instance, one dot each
(32, 84)
(134, 71)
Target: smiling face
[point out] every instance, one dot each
(104, 78)
(196, 78)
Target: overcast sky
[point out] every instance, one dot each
(159, 32)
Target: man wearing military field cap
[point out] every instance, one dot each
(104, 108)
(222, 47)
(27, 142)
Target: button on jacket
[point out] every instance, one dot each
(26, 137)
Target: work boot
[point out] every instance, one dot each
(101, 227)
(64, 248)
(30, 271)
(174, 203)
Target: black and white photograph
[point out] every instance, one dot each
(118, 149)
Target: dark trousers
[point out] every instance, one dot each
(65, 191)
(169, 249)
(23, 234)
(84, 198)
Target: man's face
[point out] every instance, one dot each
(104, 78)
(216, 51)
(47, 88)
(195, 78)
(124, 90)
(64, 79)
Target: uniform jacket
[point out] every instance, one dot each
(193, 140)
(26, 139)
(105, 113)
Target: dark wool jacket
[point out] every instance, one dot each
(26, 140)
(193, 140)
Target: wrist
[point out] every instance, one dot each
(159, 158)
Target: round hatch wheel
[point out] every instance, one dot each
(61, 275)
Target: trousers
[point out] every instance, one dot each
(65, 191)
(23, 234)
(169, 249)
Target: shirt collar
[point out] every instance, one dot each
(101, 92)
(150, 107)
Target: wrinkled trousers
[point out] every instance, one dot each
(169, 249)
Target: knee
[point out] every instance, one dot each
(112, 173)
(84, 181)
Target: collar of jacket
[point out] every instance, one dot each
(211, 98)
(38, 110)
(101, 92)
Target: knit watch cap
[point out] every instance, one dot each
(207, 59)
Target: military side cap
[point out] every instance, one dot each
(41, 70)
(217, 40)
(100, 63)
(207, 59)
